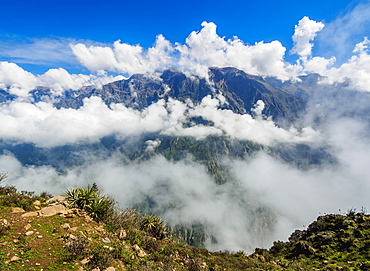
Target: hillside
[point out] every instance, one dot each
(50, 233)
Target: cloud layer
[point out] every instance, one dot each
(46, 126)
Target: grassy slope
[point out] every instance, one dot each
(66, 242)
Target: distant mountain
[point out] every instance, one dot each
(241, 91)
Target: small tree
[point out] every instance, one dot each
(3, 176)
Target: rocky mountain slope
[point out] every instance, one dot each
(240, 90)
(43, 233)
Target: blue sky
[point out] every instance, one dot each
(141, 21)
(35, 34)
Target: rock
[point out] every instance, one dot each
(106, 240)
(30, 214)
(37, 203)
(53, 210)
(74, 229)
(72, 237)
(17, 210)
(12, 259)
(66, 226)
(96, 269)
(86, 260)
(111, 268)
(29, 233)
(27, 227)
(122, 234)
(141, 254)
(4, 223)
(57, 199)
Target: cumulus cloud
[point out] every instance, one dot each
(18, 81)
(123, 57)
(201, 50)
(356, 71)
(304, 33)
(205, 48)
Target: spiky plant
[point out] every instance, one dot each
(100, 207)
(87, 196)
(154, 225)
(73, 196)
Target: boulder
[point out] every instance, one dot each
(17, 210)
(53, 210)
(30, 214)
(57, 198)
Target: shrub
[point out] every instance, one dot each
(101, 258)
(89, 200)
(80, 197)
(7, 190)
(77, 248)
(46, 195)
(127, 219)
(100, 208)
(154, 225)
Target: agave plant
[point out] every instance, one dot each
(100, 207)
(154, 225)
(81, 197)
(73, 196)
(87, 196)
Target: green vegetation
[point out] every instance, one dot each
(98, 206)
(94, 233)
(333, 242)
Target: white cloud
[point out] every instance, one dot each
(47, 126)
(205, 48)
(304, 33)
(355, 71)
(123, 57)
(18, 81)
(202, 49)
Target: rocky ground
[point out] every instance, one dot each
(42, 233)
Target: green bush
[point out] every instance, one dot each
(89, 200)
(100, 208)
(154, 225)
